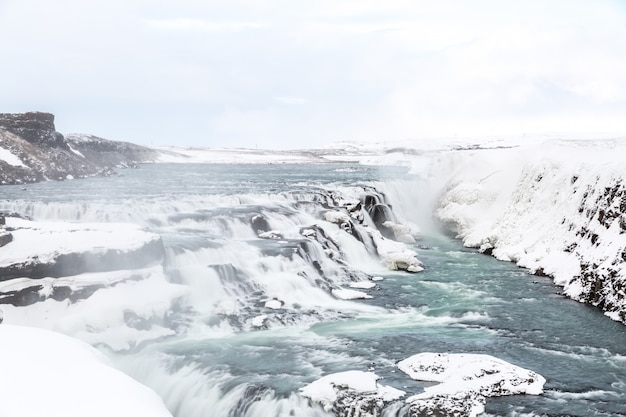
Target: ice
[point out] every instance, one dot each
(49, 374)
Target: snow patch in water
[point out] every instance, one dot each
(467, 379)
(358, 383)
(347, 294)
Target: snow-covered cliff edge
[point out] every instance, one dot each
(558, 208)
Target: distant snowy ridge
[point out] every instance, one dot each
(195, 155)
(558, 209)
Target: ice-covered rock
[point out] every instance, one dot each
(405, 260)
(465, 380)
(351, 393)
(271, 234)
(340, 218)
(274, 304)
(259, 321)
(406, 233)
(395, 254)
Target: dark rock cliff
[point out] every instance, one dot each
(31, 150)
(35, 127)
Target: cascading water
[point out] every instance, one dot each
(248, 307)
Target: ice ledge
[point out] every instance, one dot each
(49, 249)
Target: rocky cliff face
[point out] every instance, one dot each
(559, 211)
(35, 127)
(31, 150)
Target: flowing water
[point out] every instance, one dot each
(259, 320)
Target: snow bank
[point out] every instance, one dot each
(558, 209)
(465, 380)
(49, 374)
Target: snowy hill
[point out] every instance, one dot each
(31, 150)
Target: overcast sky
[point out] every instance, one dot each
(304, 73)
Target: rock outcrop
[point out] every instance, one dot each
(31, 150)
(35, 127)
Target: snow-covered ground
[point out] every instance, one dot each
(48, 374)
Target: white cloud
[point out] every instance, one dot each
(282, 73)
(191, 24)
(291, 100)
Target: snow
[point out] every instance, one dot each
(464, 383)
(466, 379)
(404, 232)
(364, 285)
(77, 152)
(274, 304)
(235, 156)
(10, 158)
(395, 254)
(44, 241)
(49, 374)
(337, 217)
(348, 294)
(258, 321)
(324, 390)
